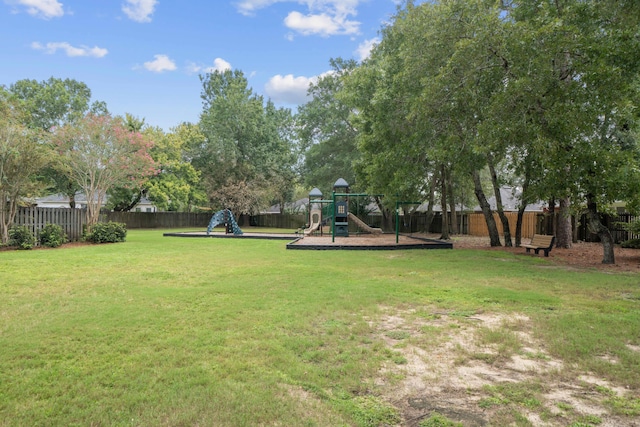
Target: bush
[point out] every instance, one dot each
(52, 235)
(110, 232)
(632, 227)
(632, 243)
(21, 236)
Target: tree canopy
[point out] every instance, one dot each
(23, 154)
(246, 158)
(99, 153)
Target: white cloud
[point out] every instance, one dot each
(323, 17)
(53, 47)
(160, 64)
(45, 9)
(321, 24)
(248, 7)
(364, 49)
(219, 64)
(289, 89)
(139, 10)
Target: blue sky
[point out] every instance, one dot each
(144, 57)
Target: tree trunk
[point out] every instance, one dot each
(496, 191)
(443, 203)
(596, 226)
(8, 211)
(564, 230)
(524, 201)
(452, 205)
(127, 206)
(387, 215)
(551, 224)
(486, 210)
(519, 224)
(431, 201)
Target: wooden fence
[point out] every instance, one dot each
(478, 225)
(158, 219)
(72, 221)
(290, 221)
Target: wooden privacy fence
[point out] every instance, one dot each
(290, 221)
(72, 221)
(478, 225)
(158, 219)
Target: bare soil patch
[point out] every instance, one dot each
(453, 373)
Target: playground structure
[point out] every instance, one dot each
(363, 225)
(225, 217)
(322, 213)
(336, 212)
(315, 221)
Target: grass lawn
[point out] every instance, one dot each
(174, 331)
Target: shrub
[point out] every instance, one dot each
(632, 243)
(52, 235)
(632, 227)
(110, 232)
(21, 236)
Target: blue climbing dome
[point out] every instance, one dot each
(225, 217)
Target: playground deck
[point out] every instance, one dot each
(356, 242)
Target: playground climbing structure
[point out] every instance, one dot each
(225, 217)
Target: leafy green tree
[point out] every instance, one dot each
(549, 86)
(392, 160)
(327, 139)
(123, 199)
(247, 146)
(419, 101)
(53, 103)
(176, 187)
(23, 155)
(573, 83)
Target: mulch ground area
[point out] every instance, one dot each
(583, 255)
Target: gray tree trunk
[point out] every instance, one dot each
(452, 205)
(431, 201)
(486, 210)
(596, 226)
(564, 230)
(443, 203)
(499, 207)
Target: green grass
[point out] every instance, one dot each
(176, 331)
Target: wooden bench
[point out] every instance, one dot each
(540, 242)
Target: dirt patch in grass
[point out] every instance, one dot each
(486, 370)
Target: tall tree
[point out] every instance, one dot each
(392, 158)
(123, 199)
(23, 155)
(573, 74)
(176, 187)
(53, 103)
(99, 153)
(247, 146)
(327, 139)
